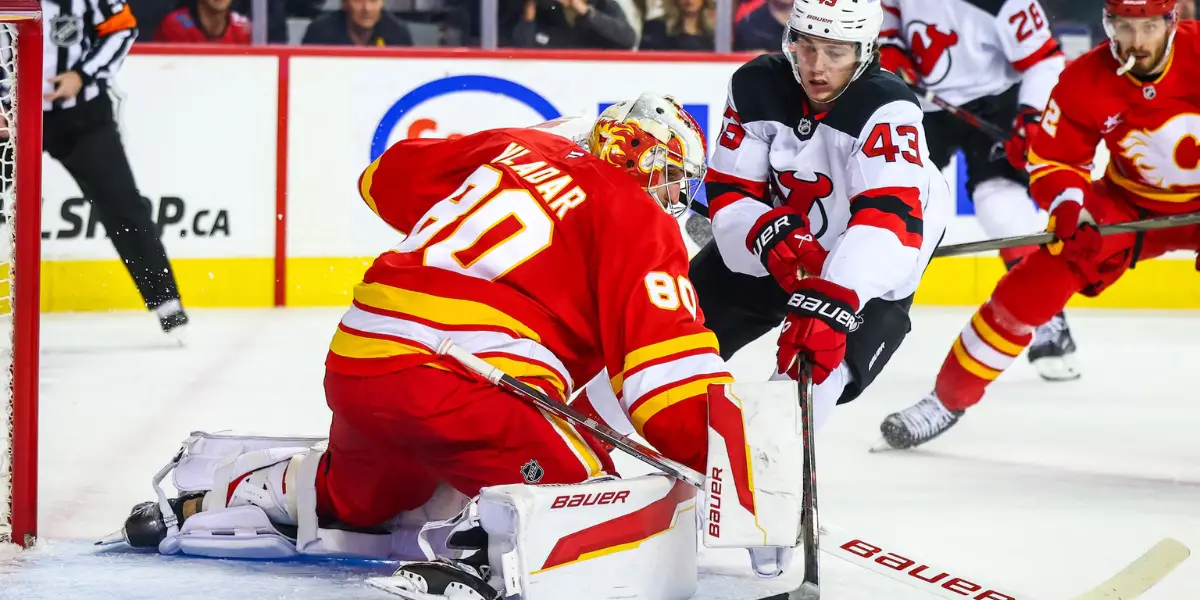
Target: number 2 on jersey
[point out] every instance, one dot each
(508, 228)
(879, 143)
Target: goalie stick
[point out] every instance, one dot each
(894, 564)
(1045, 238)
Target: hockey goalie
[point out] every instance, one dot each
(551, 253)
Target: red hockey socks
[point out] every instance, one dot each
(1030, 294)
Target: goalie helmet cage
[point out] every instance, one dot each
(20, 257)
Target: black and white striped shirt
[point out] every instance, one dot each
(91, 37)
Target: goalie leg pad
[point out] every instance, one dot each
(626, 537)
(753, 483)
(270, 512)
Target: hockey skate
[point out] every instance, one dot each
(917, 424)
(441, 579)
(1053, 351)
(173, 319)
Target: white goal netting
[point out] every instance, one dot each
(8, 36)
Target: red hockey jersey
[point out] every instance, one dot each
(1151, 129)
(536, 256)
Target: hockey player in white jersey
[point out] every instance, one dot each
(825, 205)
(997, 60)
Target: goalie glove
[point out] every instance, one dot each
(787, 249)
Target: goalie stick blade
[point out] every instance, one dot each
(1142, 574)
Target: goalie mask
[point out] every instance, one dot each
(657, 143)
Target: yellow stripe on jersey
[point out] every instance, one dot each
(1042, 167)
(446, 311)
(525, 370)
(364, 188)
(663, 349)
(990, 336)
(1152, 193)
(672, 396)
(356, 346)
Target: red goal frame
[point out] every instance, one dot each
(25, 279)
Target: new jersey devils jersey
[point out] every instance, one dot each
(861, 172)
(969, 49)
(536, 256)
(1151, 129)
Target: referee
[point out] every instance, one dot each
(83, 49)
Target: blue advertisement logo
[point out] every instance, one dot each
(451, 85)
(515, 91)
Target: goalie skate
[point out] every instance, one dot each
(916, 424)
(1052, 353)
(440, 580)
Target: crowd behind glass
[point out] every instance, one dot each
(682, 25)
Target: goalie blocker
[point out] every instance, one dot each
(244, 496)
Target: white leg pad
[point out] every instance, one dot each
(606, 538)
(210, 462)
(753, 483)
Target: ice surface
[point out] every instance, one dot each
(1050, 487)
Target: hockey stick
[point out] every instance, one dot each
(988, 128)
(810, 587)
(1127, 584)
(1046, 237)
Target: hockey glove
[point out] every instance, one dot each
(820, 314)
(894, 59)
(787, 249)
(1028, 120)
(1078, 238)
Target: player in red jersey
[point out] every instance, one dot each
(1137, 94)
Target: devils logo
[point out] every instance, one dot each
(928, 46)
(802, 195)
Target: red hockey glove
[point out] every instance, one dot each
(1078, 239)
(897, 61)
(820, 314)
(1028, 120)
(782, 241)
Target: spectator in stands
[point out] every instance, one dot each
(573, 24)
(358, 23)
(762, 29)
(204, 21)
(685, 25)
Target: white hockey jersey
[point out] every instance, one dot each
(969, 49)
(861, 172)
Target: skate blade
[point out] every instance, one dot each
(1057, 368)
(399, 586)
(117, 537)
(883, 446)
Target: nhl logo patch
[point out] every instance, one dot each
(532, 472)
(66, 30)
(1149, 92)
(804, 129)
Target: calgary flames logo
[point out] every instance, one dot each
(1168, 157)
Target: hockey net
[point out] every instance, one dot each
(20, 238)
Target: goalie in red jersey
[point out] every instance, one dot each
(1137, 95)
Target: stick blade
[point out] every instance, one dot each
(1142, 574)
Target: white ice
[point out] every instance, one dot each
(1050, 487)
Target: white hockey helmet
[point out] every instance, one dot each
(854, 21)
(657, 142)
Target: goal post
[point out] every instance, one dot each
(20, 195)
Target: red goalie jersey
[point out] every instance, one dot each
(1151, 130)
(540, 258)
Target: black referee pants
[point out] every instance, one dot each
(84, 138)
